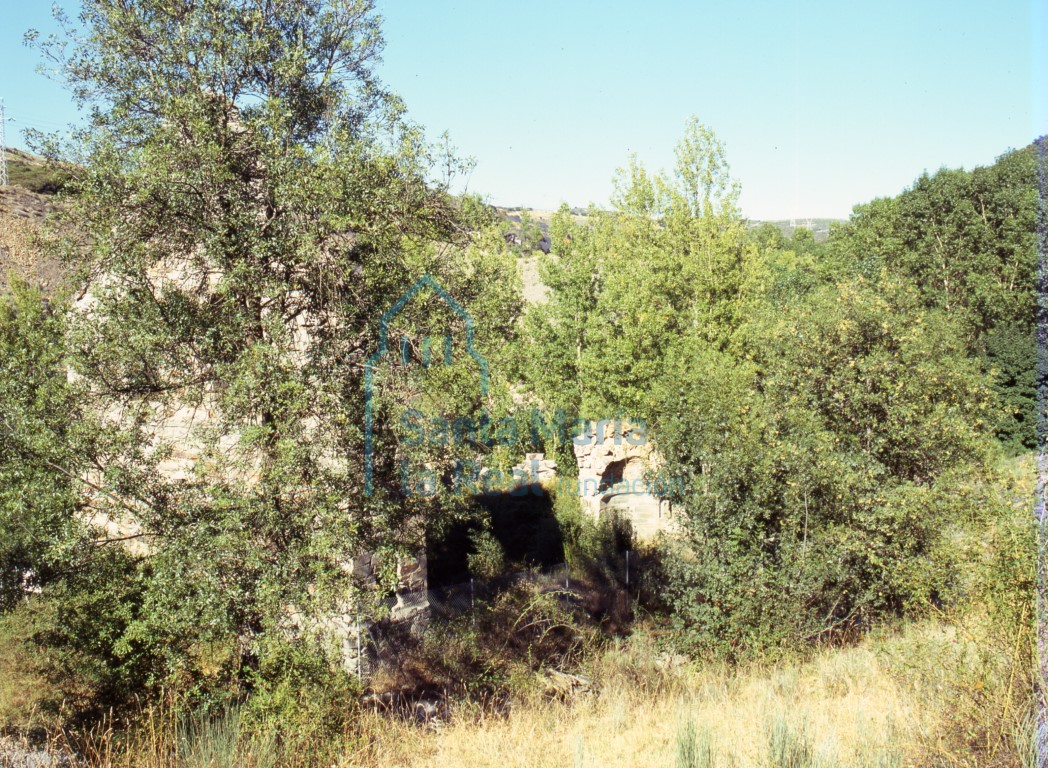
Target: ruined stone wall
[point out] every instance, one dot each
(615, 478)
(178, 429)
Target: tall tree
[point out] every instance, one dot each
(967, 239)
(249, 200)
(627, 285)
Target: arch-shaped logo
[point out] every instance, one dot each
(426, 281)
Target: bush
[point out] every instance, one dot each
(822, 470)
(25, 696)
(493, 655)
(299, 691)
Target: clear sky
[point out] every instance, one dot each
(821, 104)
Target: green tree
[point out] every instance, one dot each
(968, 240)
(556, 330)
(42, 428)
(822, 469)
(627, 285)
(250, 200)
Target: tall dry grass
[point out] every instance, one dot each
(880, 704)
(894, 700)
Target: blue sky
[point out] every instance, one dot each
(821, 105)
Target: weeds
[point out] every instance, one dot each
(693, 746)
(789, 747)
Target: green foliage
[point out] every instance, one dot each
(625, 285)
(767, 237)
(803, 241)
(555, 332)
(476, 213)
(820, 469)
(487, 558)
(25, 698)
(298, 692)
(250, 200)
(821, 404)
(530, 233)
(92, 651)
(1010, 355)
(45, 439)
(573, 524)
(967, 239)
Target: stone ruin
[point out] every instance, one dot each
(536, 469)
(617, 478)
(177, 428)
(613, 482)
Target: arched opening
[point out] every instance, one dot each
(625, 497)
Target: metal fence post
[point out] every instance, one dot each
(360, 668)
(627, 606)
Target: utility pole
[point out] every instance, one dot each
(3, 148)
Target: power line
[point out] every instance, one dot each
(39, 122)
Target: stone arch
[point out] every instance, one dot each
(628, 469)
(613, 475)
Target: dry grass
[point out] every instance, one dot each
(21, 255)
(850, 707)
(891, 701)
(17, 241)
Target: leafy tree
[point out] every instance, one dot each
(625, 285)
(38, 457)
(821, 468)
(967, 239)
(250, 200)
(52, 447)
(1010, 355)
(556, 330)
(767, 237)
(803, 241)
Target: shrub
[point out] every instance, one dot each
(821, 471)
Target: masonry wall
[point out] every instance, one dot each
(615, 468)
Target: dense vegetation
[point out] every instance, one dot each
(835, 414)
(831, 408)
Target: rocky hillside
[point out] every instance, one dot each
(24, 203)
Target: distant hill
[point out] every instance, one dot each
(32, 183)
(819, 227)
